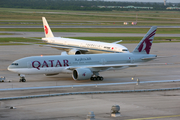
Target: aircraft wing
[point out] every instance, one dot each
(59, 47)
(103, 66)
(115, 65)
(65, 48)
(117, 41)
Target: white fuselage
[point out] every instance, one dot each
(85, 44)
(60, 64)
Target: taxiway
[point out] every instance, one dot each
(143, 105)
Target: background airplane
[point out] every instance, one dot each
(85, 66)
(75, 46)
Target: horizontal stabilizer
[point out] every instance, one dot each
(150, 58)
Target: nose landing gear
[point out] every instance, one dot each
(22, 78)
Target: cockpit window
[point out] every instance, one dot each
(124, 49)
(15, 64)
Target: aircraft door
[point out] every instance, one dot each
(103, 61)
(65, 42)
(81, 45)
(132, 60)
(28, 64)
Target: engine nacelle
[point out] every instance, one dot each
(82, 74)
(74, 52)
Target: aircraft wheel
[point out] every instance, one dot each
(101, 79)
(98, 78)
(23, 80)
(94, 78)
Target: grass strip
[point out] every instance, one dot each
(6, 34)
(6, 41)
(97, 30)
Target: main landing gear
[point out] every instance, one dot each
(98, 78)
(22, 78)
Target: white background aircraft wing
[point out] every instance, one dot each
(65, 48)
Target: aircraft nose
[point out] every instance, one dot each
(12, 68)
(9, 67)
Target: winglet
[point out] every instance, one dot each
(117, 42)
(145, 44)
(47, 29)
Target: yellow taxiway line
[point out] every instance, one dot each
(150, 118)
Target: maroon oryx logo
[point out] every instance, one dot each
(84, 74)
(146, 44)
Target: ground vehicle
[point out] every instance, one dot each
(2, 78)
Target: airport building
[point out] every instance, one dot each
(125, 7)
(173, 8)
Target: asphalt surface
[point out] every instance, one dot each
(146, 105)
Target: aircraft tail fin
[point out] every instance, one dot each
(47, 29)
(145, 44)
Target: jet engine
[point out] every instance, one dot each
(82, 74)
(74, 52)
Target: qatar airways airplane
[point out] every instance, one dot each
(86, 66)
(75, 46)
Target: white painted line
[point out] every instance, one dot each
(91, 92)
(87, 85)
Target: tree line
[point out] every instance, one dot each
(85, 5)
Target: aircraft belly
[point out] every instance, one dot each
(40, 71)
